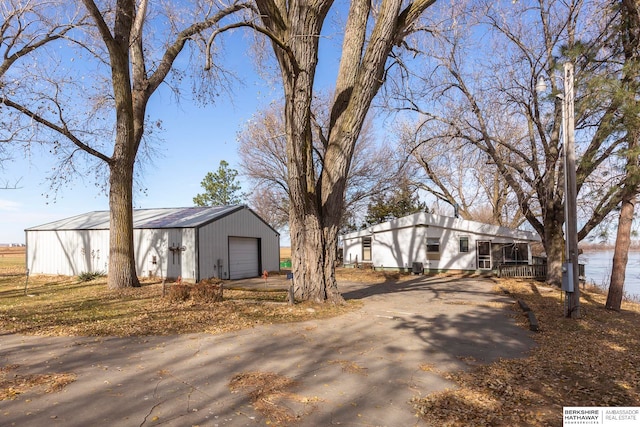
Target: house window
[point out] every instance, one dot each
(366, 248)
(464, 244)
(515, 253)
(433, 244)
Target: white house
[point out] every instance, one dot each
(227, 242)
(437, 243)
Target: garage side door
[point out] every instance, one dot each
(243, 258)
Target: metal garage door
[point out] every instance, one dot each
(243, 257)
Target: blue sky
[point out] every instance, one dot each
(194, 141)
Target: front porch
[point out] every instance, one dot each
(530, 271)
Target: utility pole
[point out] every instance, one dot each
(570, 269)
(570, 283)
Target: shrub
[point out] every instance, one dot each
(179, 292)
(87, 276)
(207, 291)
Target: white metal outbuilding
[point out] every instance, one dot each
(226, 242)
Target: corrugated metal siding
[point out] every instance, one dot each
(151, 252)
(154, 258)
(71, 252)
(67, 252)
(214, 246)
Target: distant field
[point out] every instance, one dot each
(15, 257)
(6, 250)
(12, 260)
(285, 253)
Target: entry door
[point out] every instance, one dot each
(484, 254)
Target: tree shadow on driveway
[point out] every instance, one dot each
(460, 317)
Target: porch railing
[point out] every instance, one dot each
(525, 271)
(530, 271)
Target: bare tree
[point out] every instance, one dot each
(99, 103)
(493, 106)
(27, 26)
(459, 175)
(10, 185)
(271, 205)
(263, 160)
(24, 27)
(294, 28)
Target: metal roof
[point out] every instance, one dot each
(145, 218)
(423, 219)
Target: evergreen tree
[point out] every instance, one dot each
(396, 203)
(627, 34)
(221, 188)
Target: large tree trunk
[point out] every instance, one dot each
(317, 202)
(554, 247)
(311, 256)
(554, 241)
(621, 254)
(313, 261)
(630, 37)
(122, 269)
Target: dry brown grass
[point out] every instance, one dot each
(285, 253)
(68, 306)
(588, 362)
(12, 261)
(272, 396)
(12, 384)
(363, 275)
(12, 251)
(64, 306)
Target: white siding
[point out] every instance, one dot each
(67, 252)
(214, 246)
(151, 252)
(400, 243)
(155, 245)
(401, 248)
(205, 254)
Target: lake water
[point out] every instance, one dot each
(598, 270)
